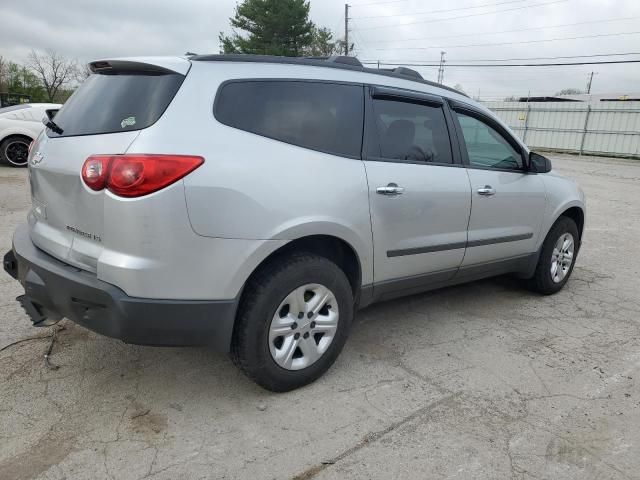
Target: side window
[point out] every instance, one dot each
(411, 131)
(319, 116)
(486, 147)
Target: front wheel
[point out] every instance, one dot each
(15, 151)
(293, 321)
(557, 257)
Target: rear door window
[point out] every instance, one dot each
(412, 132)
(110, 103)
(320, 116)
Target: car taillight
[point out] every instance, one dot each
(94, 171)
(135, 175)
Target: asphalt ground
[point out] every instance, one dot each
(484, 380)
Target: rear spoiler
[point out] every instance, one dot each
(115, 67)
(141, 65)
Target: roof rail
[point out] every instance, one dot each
(407, 72)
(345, 60)
(341, 59)
(341, 62)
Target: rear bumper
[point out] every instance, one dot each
(54, 290)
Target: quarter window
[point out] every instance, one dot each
(319, 116)
(411, 131)
(486, 148)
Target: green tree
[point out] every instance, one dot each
(273, 27)
(322, 43)
(18, 79)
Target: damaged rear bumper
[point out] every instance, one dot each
(54, 289)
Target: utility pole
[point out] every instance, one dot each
(441, 68)
(346, 29)
(590, 81)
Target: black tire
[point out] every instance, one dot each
(263, 295)
(542, 281)
(8, 147)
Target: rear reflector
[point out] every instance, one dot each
(136, 175)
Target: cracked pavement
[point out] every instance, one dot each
(478, 381)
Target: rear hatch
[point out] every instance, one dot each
(104, 116)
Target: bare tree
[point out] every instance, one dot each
(54, 70)
(84, 72)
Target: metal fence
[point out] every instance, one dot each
(598, 128)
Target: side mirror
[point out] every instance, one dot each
(539, 163)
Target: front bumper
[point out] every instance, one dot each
(54, 290)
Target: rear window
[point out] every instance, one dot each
(110, 103)
(320, 116)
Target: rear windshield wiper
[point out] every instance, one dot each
(52, 125)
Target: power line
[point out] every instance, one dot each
(506, 31)
(377, 3)
(464, 16)
(511, 43)
(442, 11)
(359, 42)
(511, 64)
(513, 59)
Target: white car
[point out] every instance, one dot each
(19, 126)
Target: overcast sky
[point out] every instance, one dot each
(89, 30)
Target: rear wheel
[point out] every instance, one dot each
(293, 321)
(557, 257)
(14, 150)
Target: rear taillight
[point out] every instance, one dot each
(135, 175)
(94, 171)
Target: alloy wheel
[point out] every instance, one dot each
(562, 257)
(17, 152)
(303, 326)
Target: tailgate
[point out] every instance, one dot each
(67, 217)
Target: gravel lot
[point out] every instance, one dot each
(478, 381)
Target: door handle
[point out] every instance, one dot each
(487, 191)
(390, 190)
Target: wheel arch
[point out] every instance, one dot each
(13, 131)
(576, 214)
(574, 209)
(334, 248)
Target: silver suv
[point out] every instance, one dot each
(254, 203)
